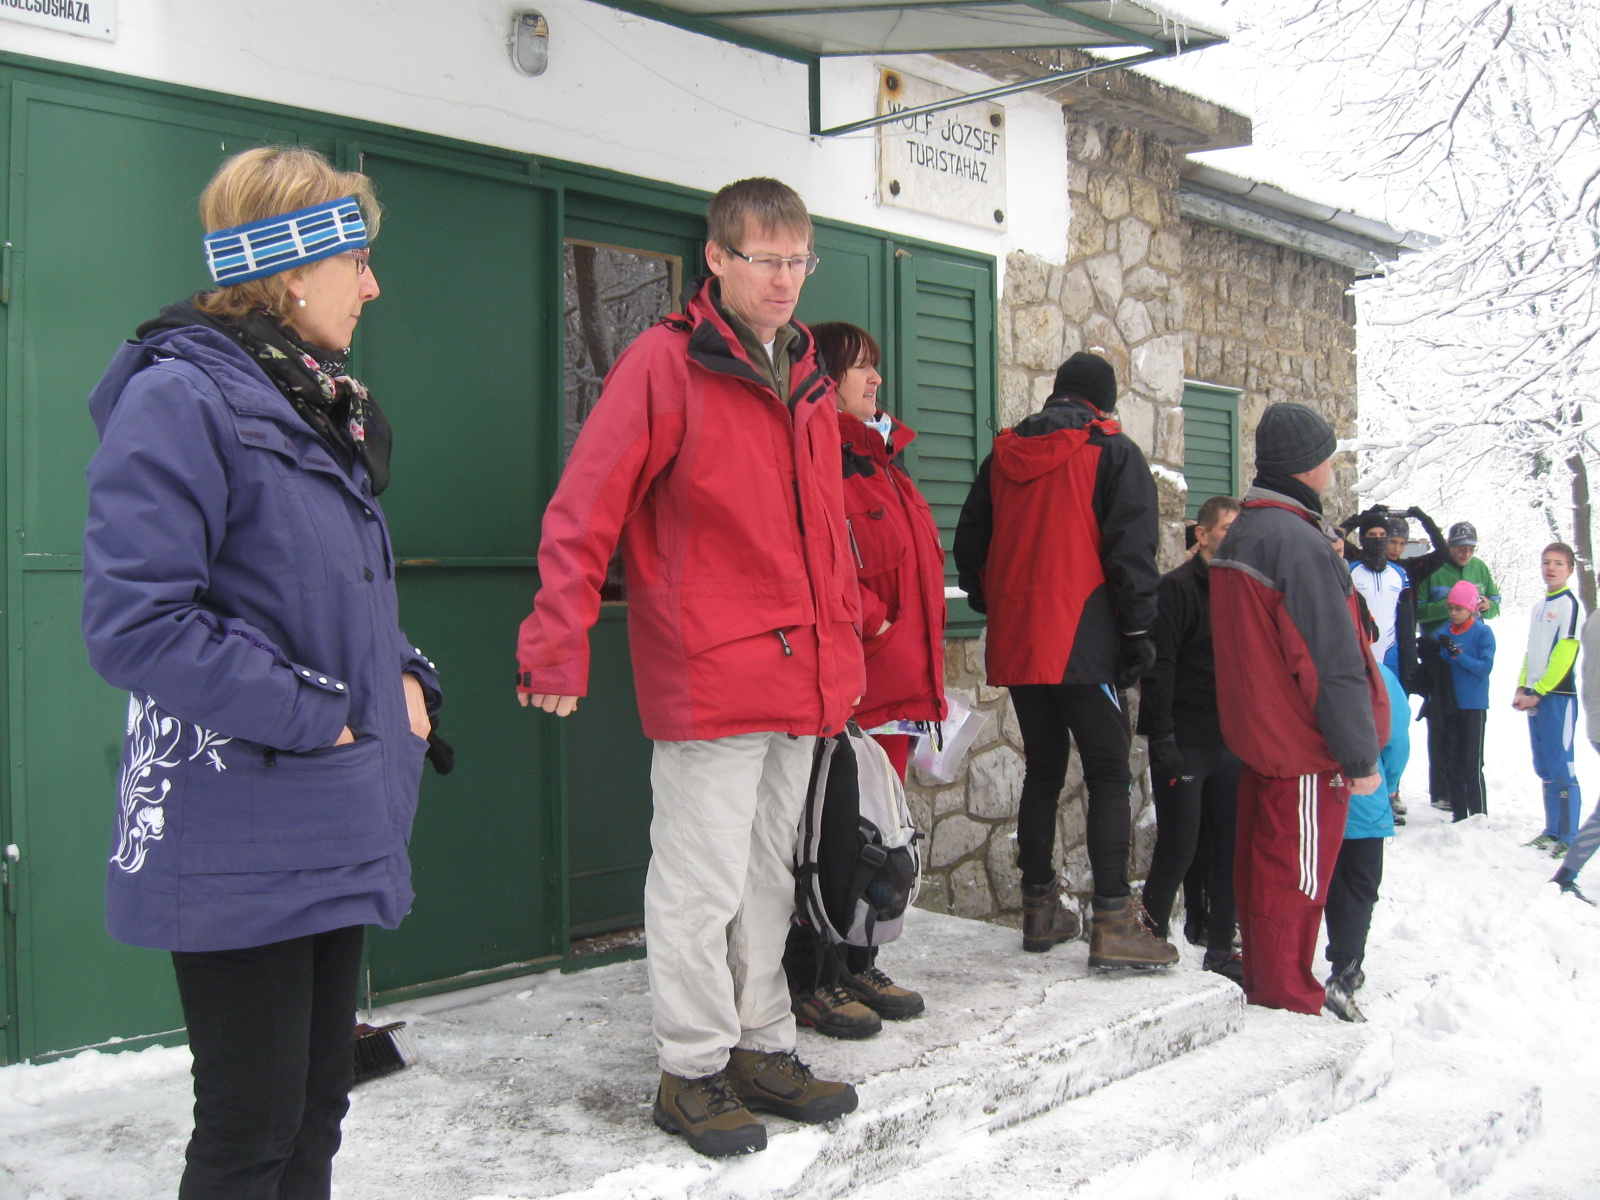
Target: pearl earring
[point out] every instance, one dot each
(301, 303)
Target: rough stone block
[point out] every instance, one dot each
(1138, 418)
(1077, 295)
(1027, 278)
(1086, 233)
(1105, 274)
(1133, 319)
(1100, 335)
(1036, 336)
(1001, 858)
(1170, 443)
(1145, 199)
(1010, 730)
(1015, 396)
(1158, 366)
(969, 891)
(1166, 251)
(1170, 495)
(1076, 877)
(947, 799)
(1109, 194)
(1147, 283)
(1133, 241)
(955, 837)
(994, 782)
(934, 895)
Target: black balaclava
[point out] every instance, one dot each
(1375, 547)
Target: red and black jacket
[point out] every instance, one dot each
(1300, 691)
(900, 566)
(1057, 545)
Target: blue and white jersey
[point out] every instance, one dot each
(1381, 590)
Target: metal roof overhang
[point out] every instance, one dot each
(808, 32)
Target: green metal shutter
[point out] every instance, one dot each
(945, 385)
(1210, 442)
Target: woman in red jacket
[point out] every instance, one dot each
(900, 566)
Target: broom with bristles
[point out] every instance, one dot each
(383, 1049)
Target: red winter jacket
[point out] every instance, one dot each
(1057, 544)
(900, 564)
(1299, 690)
(743, 613)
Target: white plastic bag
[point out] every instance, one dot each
(941, 757)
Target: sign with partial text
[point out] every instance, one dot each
(86, 18)
(949, 164)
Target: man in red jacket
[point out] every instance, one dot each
(713, 456)
(1304, 707)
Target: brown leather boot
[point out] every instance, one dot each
(1118, 937)
(708, 1115)
(1045, 920)
(781, 1084)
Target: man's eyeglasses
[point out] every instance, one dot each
(361, 256)
(771, 264)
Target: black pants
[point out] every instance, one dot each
(271, 1028)
(1464, 761)
(1052, 716)
(1208, 787)
(810, 962)
(1195, 907)
(1438, 756)
(1351, 896)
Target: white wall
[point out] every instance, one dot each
(621, 92)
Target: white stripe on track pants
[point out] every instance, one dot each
(720, 893)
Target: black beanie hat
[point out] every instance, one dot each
(1089, 376)
(1292, 439)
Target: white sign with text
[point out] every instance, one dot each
(949, 164)
(86, 18)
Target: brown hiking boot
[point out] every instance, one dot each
(835, 1012)
(1045, 920)
(781, 1084)
(709, 1116)
(1118, 937)
(882, 995)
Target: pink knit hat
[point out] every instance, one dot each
(1465, 594)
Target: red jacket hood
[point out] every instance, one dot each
(1026, 458)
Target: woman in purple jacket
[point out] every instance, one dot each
(239, 584)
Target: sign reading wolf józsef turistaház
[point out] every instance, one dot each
(87, 18)
(949, 164)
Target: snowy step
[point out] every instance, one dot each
(1157, 1133)
(1440, 1128)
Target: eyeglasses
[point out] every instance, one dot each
(770, 264)
(361, 256)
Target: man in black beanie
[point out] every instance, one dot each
(1057, 544)
(1305, 706)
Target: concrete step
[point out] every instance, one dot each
(1441, 1127)
(1161, 1132)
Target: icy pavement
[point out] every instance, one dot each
(1478, 1073)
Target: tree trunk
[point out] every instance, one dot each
(1582, 533)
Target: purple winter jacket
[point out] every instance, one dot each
(240, 585)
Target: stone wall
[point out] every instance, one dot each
(1281, 325)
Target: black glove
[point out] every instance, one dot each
(1138, 655)
(1166, 760)
(441, 754)
(1448, 645)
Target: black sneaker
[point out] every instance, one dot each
(1341, 1003)
(1228, 965)
(1194, 932)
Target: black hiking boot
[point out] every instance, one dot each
(1339, 1001)
(1227, 964)
(706, 1114)
(834, 1012)
(1046, 921)
(1569, 887)
(882, 995)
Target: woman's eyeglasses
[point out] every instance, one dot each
(770, 264)
(361, 256)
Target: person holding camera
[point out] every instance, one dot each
(1467, 645)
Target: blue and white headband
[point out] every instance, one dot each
(275, 244)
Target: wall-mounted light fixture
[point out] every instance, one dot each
(529, 41)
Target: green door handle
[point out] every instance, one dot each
(8, 877)
(5, 273)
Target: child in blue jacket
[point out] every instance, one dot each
(1467, 644)
(1353, 891)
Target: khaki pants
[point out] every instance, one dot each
(720, 893)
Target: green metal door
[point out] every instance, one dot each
(101, 217)
(462, 351)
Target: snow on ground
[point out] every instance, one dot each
(1479, 971)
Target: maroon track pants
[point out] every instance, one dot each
(1289, 834)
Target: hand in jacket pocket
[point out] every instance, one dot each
(345, 737)
(416, 706)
